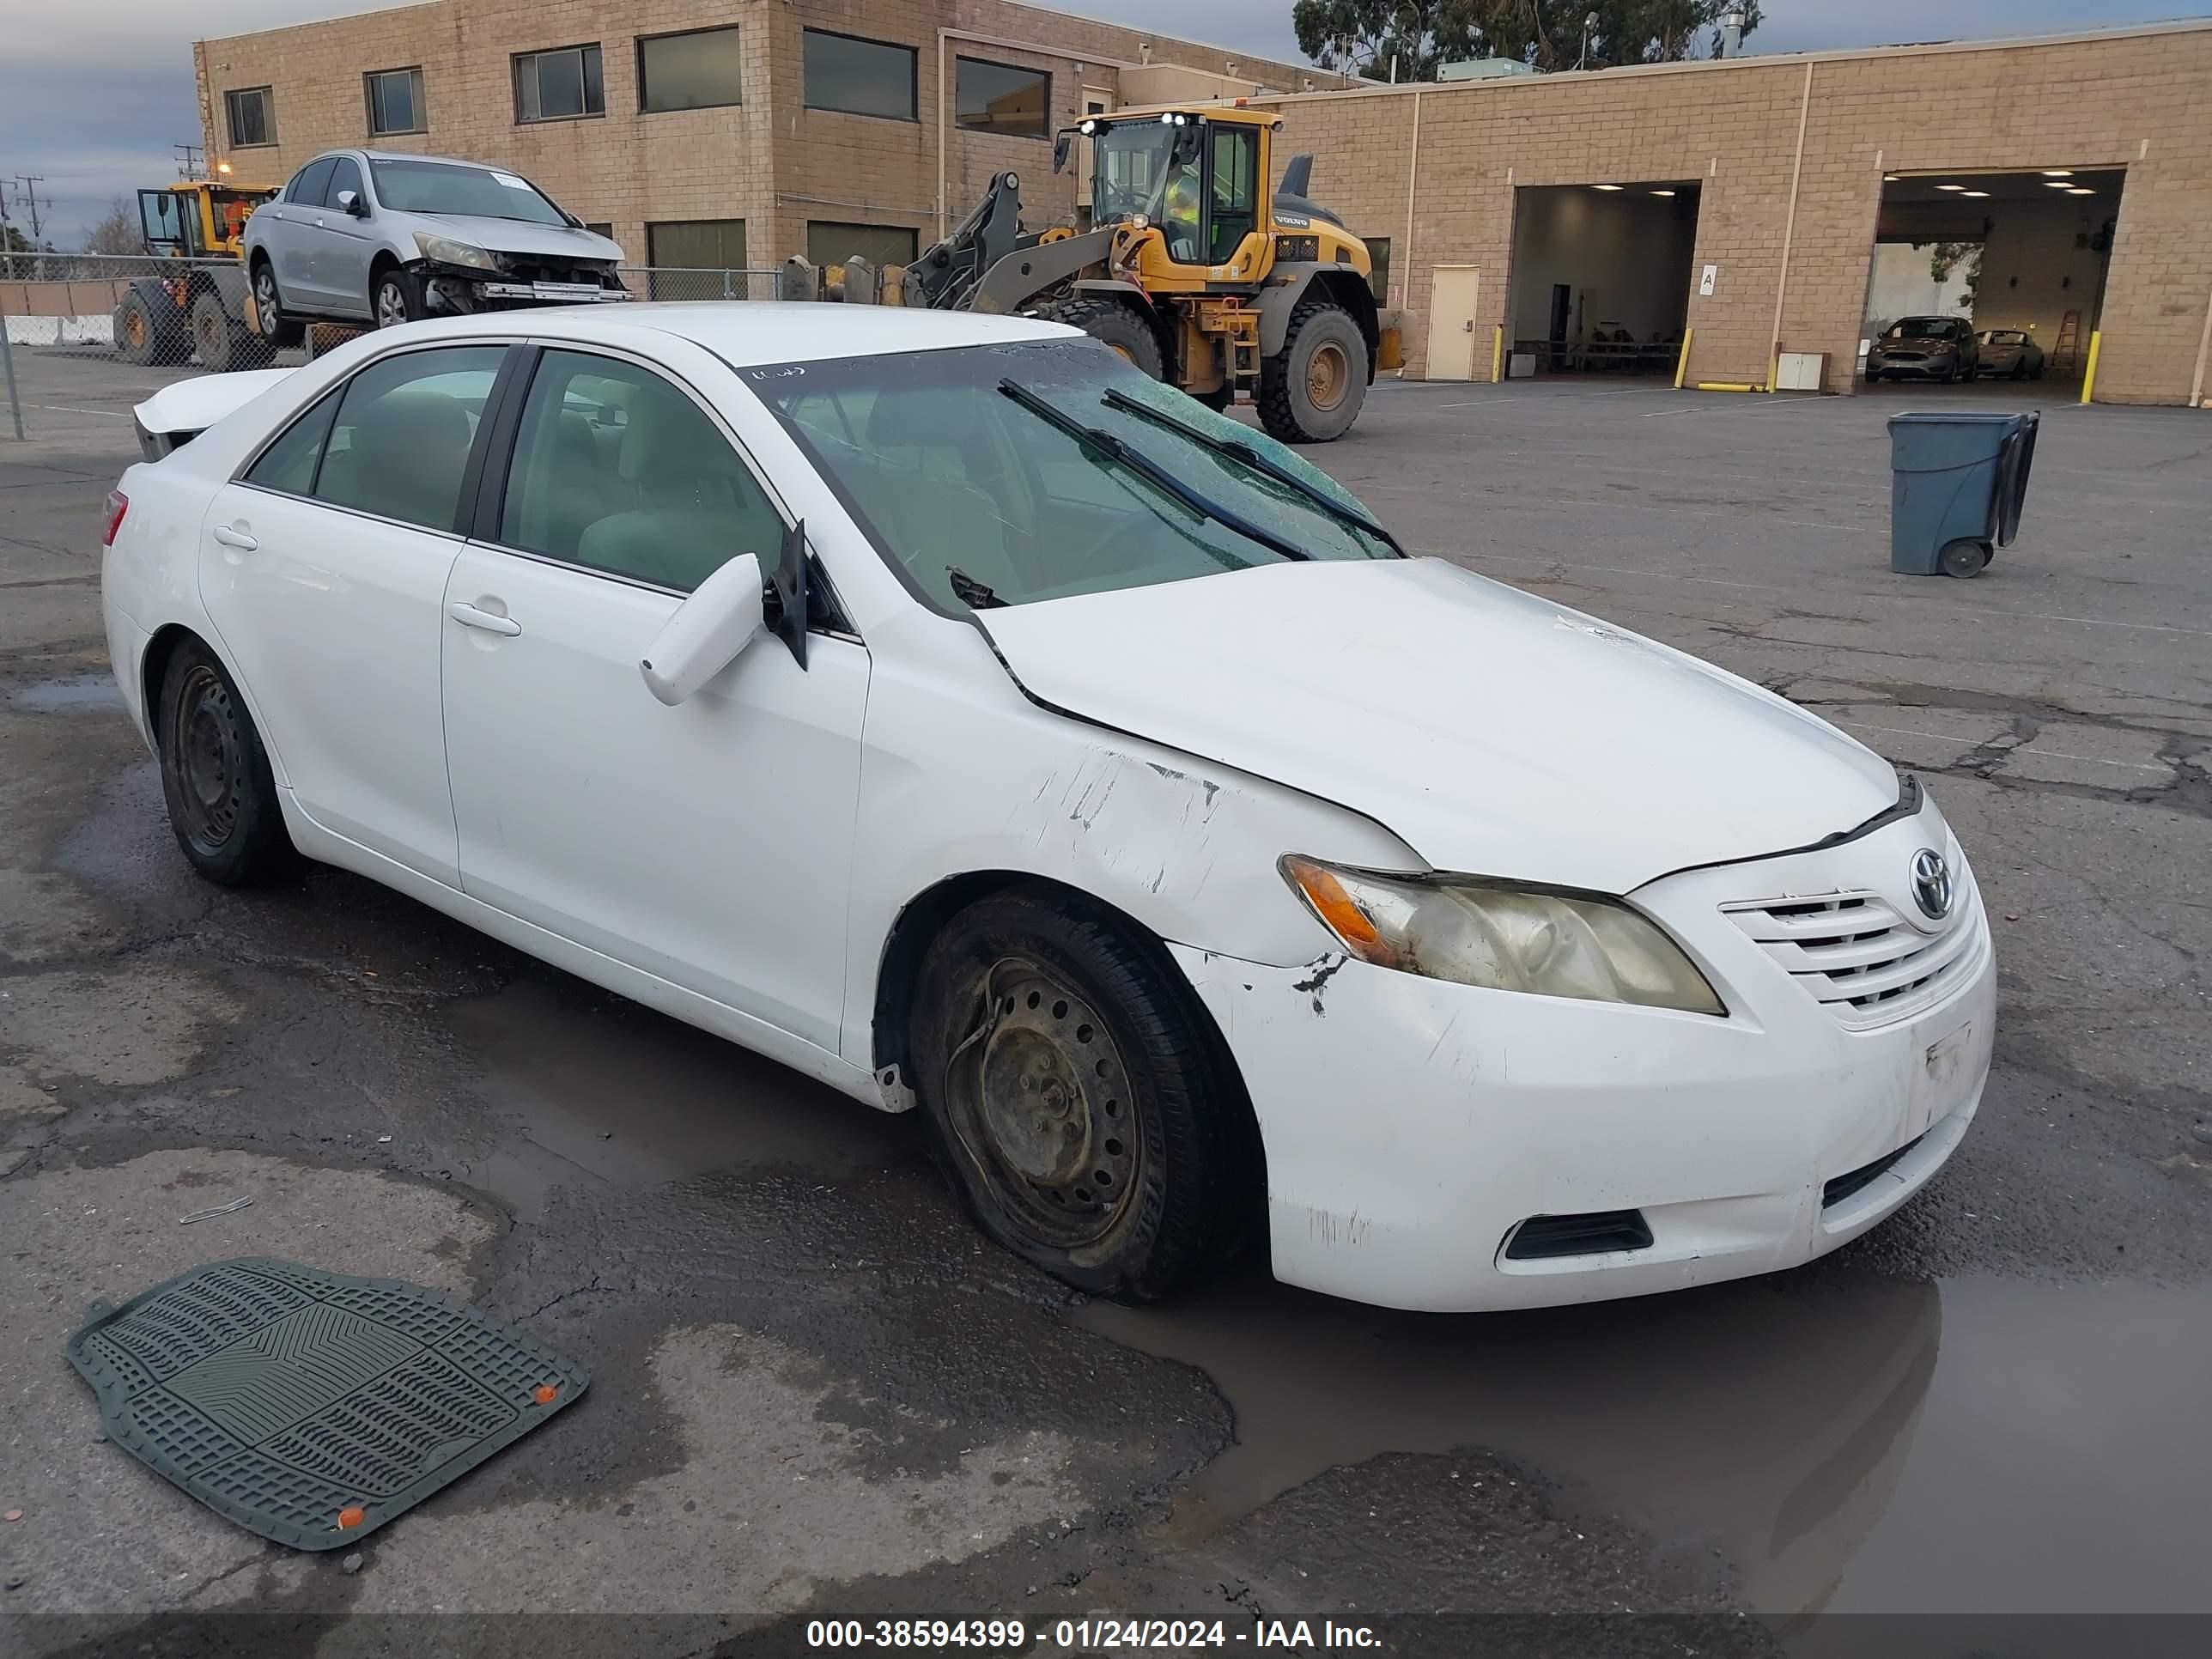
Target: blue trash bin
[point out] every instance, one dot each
(1957, 485)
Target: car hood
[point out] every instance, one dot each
(1495, 733)
(519, 236)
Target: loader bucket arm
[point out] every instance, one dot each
(944, 276)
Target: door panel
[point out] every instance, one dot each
(1452, 294)
(708, 844)
(343, 243)
(291, 241)
(332, 623)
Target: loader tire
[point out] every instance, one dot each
(1312, 390)
(222, 341)
(1116, 323)
(149, 328)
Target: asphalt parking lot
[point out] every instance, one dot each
(818, 1393)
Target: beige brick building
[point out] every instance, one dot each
(1780, 172)
(1796, 155)
(578, 95)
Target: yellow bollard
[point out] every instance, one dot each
(1497, 353)
(2089, 374)
(1682, 363)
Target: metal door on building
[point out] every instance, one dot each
(1453, 292)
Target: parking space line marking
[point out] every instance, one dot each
(1769, 587)
(65, 409)
(1767, 402)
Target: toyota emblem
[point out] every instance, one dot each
(1931, 882)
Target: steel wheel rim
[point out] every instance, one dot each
(1039, 1100)
(208, 327)
(207, 759)
(1328, 372)
(134, 327)
(390, 305)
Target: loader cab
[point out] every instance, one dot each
(198, 221)
(1201, 181)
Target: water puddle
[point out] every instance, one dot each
(1848, 1444)
(594, 1088)
(69, 696)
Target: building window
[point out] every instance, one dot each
(395, 102)
(828, 243)
(1378, 254)
(558, 86)
(601, 228)
(252, 112)
(1003, 98)
(695, 260)
(860, 77)
(696, 69)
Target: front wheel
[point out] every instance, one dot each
(394, 300)
(223, 343)
(216, 777)
(1114, 323)
(1312, 390)
(1083, 1105)
(150, 329)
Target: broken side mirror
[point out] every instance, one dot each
(1061, 147)
(707, 633)
(787, 588)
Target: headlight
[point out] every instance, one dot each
(1503, 937)
(447, 251)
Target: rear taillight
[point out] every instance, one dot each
(118, 505)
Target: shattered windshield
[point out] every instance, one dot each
(962, 468)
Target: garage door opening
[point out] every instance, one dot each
(1601, 277)
(1988, 277)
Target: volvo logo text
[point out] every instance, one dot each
(1931, 882)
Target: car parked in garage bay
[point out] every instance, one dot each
(2009, 352)
(935, 703)
(366, 236)
(1923, 348)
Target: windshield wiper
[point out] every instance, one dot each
(1244, 452)
(1152, 472)
(977, 596)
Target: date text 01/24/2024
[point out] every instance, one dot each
(1096, 1634)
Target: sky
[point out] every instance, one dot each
(93, 94)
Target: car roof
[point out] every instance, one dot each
(744, 333)
(409, 155)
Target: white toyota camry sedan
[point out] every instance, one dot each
(937, 705)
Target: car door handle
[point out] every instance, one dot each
(468, 617)
(237, 538)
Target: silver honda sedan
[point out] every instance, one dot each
(366, 236)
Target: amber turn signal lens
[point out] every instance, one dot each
(1337, 911)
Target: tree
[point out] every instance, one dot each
(1363, 35)
(118, 231)
(1964, 258)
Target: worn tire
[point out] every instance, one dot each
(222, 342)
(394, 297)
(1194, 1193)
(277, 328)
(150, 329)
(1115, 323)
(1312, 390)
(216, 777)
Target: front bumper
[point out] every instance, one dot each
(1927, 368)
(459, 290)
(1411, 1125)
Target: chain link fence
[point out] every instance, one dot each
(79, 329)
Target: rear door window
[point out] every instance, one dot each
(403, 430)
(310, 181)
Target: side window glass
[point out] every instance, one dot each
(288, 465)
(403, 433)
(307, 185)
(1236, 194)
(345, 175)
(617, 469)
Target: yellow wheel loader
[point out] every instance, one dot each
(194, 306)
(1187, 265)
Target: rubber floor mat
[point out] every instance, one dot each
(308, 1407)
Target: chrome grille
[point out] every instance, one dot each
(1861, 959)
